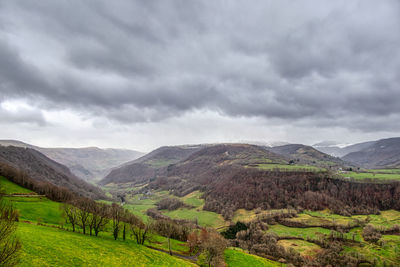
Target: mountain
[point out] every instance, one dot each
(146, 167)
(384, 153)
(339, 150)
(41, 168)
(190, 160)
(90, 163)
(303, 154)
(204, 166)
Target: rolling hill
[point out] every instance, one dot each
(384, 153)
(149, 165)
(303, 154)
(41, 168)
(88, 163)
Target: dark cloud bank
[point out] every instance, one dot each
(313, 63)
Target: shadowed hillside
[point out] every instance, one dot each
(384, 153)
(41, 168)
(88, 163)
(149, 165)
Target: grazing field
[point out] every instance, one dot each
(238, 258)
(139, 210)
(244, 215)
(47, 246)
(37, 209)
(32, 208)
(388, 252)
(385, 174)
(311, 232)
(289, 167)
(312, 220)
(386, 219)
(194, 199)
(392, 171)
(10, 188)
(303, 247)
(205, 218)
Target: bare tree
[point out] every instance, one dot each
(9, 243)
(70, 212)
(99, 218)
(84, 213)
(212, 245)
(166, 228)
(140, 229)
(116, 214)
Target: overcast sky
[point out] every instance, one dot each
(141, 74)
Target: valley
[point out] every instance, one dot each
(271, 207)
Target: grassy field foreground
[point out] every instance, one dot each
(48, 246)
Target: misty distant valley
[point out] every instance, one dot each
(200, 133)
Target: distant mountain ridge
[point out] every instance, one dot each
(339, 150)
(384, 153)
(41, 168)
(89, 163)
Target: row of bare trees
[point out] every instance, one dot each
(93, 217)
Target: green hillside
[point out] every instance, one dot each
(48, 246)
(10, 188)
(237, 258)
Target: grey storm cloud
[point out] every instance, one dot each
(321, 62)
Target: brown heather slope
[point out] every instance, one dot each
(302, 154)
(41, 168)
(147, 167)
(202, 167)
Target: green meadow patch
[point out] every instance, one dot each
(288, 167)
(36, 209)
(238, 258)
(387, 254)
(389, 175)
(194, 199)
(311, 232)
(303, 247)
(11, 188)
(204, 218)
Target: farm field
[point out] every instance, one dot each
(204, 218)
(384, 174)
(237, 258)
(388, 252)
(303, 247)
(290, 167)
